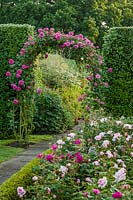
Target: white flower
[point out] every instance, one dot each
(63, 169)
(68, 138)
(60, 142)
(115, 166)
(128, 138)
(98, 137)
(72, 135)
(68, 164)
(102, 134)
(120, 175)
(109, 132)
(119, 122)
(127, 126)
(105, 143)
(21, 192)
(103, 119)
(34, 178)
(102, 182)
(93, 123)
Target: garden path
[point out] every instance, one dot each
(11, 166)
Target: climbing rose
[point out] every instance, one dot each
(8, 74)
(117, 195)
(21, 82)
(11, 61)
(21, 192)
(15, 101)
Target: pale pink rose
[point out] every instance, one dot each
(21, 192)
(88, 179)
(98, 76)
(98, 137)
(97, 163)
(105, 143)
(109, 154)
(120, 175)
(15, 101)
(96, 191)
(102, 182)
(78, 180)
(131, 154)
(101, 153)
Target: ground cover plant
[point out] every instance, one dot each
(95, 162)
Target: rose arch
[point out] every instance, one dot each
(21, 72)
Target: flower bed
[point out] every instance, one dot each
(93, 163)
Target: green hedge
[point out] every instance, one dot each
(8, 190)
(118, 54)
(12, 38)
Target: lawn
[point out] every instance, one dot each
(7, 152)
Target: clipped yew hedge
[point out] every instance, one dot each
(118, 55)
(12, 38)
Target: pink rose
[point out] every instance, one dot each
(21, 192)
(19, 71)
(11, 61)
(14, 87)
(21, 82)
(15, 101)
(77, 141)
(96, 191)
(110, 69)
(49, 157)
(39, 155)
(18, 75)
(54, 147)
(19, 89)
(41, 34)
(8, 74)
(98, 76)
(117, 195)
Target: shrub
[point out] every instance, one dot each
(117, 51)
(12, 38)
(50, 115)
(56, 72)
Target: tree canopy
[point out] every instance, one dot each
(93, 18)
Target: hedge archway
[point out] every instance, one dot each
(21, 72)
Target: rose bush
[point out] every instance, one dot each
(93, 163)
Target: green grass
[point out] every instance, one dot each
(7, 152)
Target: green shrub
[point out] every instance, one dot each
(118, 54)
(57, 73)
(8, 190)
(12, 38)
(51, 116)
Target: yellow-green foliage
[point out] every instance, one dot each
(38, 76)
(8, 190)
(70, 95)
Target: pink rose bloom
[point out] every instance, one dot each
(38, 91)
(19, 88)
(96, 191)
(71, 33)
(11, 61)
(95, 84)
(86, 194)
(57, 36)
(88, 179)
(21, 82)
(49, 157)
(131, 154)
(46, 29)
(54, 147)
(19, 71)
(89, 78)
(32, 42)
(109, 154)
(102, 182)
(76, 46)
(8, 74)
(98, 137)
(117, 195)
(39, 155)
(120, 175)
(62, 156)
(40, 30)
(14, 87)
(28, 87)
(21, 192)
(67, 44)
(106, 84)
(22, 51)
(26, 44)
(41, 34)
(98, 76)
(15, 101)
(110, 69)
(87, 66)
(79, 157)
(48, 190)
(18, 75)
(24, 67)
(77, 141)
(105, 143)
(78, 180)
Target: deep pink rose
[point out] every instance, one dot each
(14, 87)
(41, 34)
(39, 155)
(110, 69)
(15, 101)
(8, 74)
(19, 89)
(54, 147)
(18, 75)
(21, 82)
(77, 141)
(117, 195)
(49, 157)
(11, 61)
(96, 191)
(19, 71)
